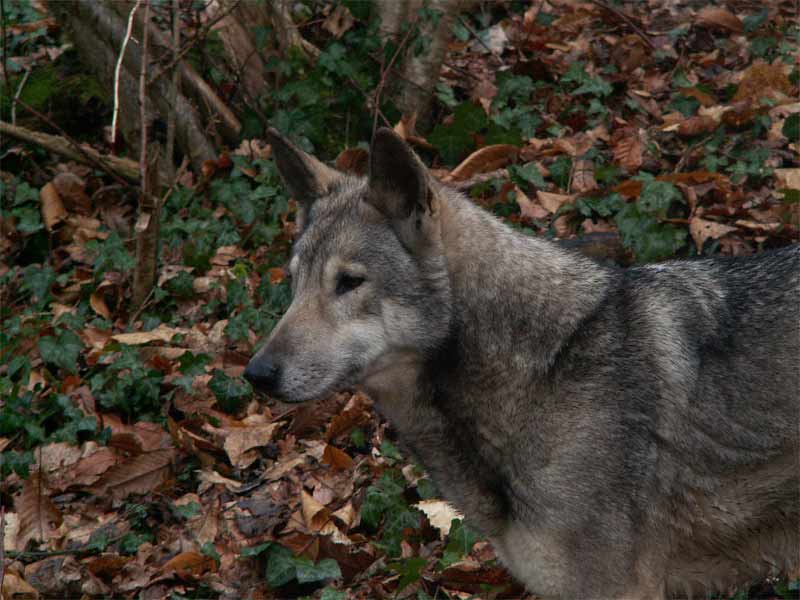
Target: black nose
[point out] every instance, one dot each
(263, 374)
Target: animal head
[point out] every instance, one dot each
(368, 275)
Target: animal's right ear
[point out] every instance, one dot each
(306, 177)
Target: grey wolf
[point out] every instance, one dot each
(615, 433)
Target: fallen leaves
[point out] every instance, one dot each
(39, 518)
(627, 146)
(162, 333)
(53, 211)
(138, 475)
(484, 160)
(702, 230)
(721, 18)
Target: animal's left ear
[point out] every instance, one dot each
(398, 181)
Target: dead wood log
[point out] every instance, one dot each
(97, 32)
(124, 167)
(191, 83)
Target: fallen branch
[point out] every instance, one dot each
(122, 169)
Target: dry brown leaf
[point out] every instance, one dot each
(703, 229)
(226, 255)
(696, 126)
(72, 190)
(38, 516)
(339, 21)
(162, 333)
(239, 443)
(94, 337)
(720, 17)
(212, 477)
(583, 176)
(484, 160)
(138, 475)
(354, 414)
(315, 515)
(336, 458)
(98, 304)
(281, 468)
(628, 149)
(353, 160)
(552, 202)
(89, 469)
(138, 438)
(440, 514)
(107, 566)
(762, 80)
(702, 97)
(788, 178)
(348, 516)
(528, 208)
(53, 211)
(189, 565)
(15, 586)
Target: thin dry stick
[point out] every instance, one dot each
(17, 95)
(117, 70)
(2, 540)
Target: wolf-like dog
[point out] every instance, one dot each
(616, 433)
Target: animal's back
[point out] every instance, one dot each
(729, 460)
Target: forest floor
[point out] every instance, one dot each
(136, 462)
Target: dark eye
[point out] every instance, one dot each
(347, 283)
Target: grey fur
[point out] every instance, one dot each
(616, 433)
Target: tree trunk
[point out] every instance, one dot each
(421, 72)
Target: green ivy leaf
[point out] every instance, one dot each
(527, 174)
(281, 568)
(791, 127)
(231, 392)
(62, 351)
(410, 570)
(308, 572)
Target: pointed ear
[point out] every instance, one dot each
(306, 177)
(398, 181)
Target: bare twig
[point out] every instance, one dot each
(125, 41)
(93, 157)
(2, 540)
(17, 95)
(621, 15)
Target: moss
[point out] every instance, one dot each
(65, 91)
